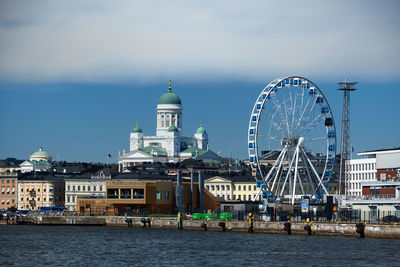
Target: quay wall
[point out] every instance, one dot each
(334, 229)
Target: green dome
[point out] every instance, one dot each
(169, 97)
(172, 128)
(201, 130)
(137, 129)
(41, 153)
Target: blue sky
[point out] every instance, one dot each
(75, 77)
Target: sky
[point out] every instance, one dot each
(75, 76)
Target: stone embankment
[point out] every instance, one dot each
(335, 229)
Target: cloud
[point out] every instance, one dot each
(124, 40)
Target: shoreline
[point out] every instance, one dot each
(381, 231)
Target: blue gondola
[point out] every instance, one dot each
(287, 81)
(291, 81)
(269, 96)
(279, 84)
(260, 184)
(330, 161)
(264, 95)
(319, 100)
(308, 85)
(258, 106)
(251, 145)
(312, 92)
(332, 148)
(251, 159)
(328, 173)
(324, 110)
(331, 134)
(295, 82)
(251, 131)
(254, 118)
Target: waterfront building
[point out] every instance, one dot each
(8, 193)
(168, 145)
(137, 194)
(40, 190)
(375, 165)
(38, 162)
(9, 170)
(84, 186)
(244, 188)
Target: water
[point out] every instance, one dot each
(106, 246)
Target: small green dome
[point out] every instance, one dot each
(169, 97)
(41, 153)
(201, 130)
(172, 128)
(137, 129)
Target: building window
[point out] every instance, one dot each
(234, 187)
(228, 197)
(158, 195)
(100, 188)
(22, 190)
(38, 198)
(79, 188)
(244, 188)
(94, 188)
(249, 197)
(68, 199)
(254, 187)
(217, 187)
(208, 187)
(244, 197)
(12, 201)
(8, 181)
(38, 189)
(228, 187)
(239, 188)
(125, 194)
(223, 187)
(83, 188)
(22, 199)
(44, 190)
(166, 195)
(51, 190)
(73, 188)
(234, 197)
(69, 188)
(44, 199)
(138, 193)
(212, 188)
(239, 197)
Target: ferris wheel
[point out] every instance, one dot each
(292, 141)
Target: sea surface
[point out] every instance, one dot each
(113, 246)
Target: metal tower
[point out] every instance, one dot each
(345, 150)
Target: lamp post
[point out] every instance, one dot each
(32, 202)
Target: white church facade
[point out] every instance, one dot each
(168, 145)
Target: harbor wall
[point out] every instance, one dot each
(335, 229)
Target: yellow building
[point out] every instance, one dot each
(35, 191)
(244, 188)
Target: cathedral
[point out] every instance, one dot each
(168, 145)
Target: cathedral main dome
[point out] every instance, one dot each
(169, 97)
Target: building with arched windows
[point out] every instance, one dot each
(168, 145)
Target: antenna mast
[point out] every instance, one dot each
(345, 149)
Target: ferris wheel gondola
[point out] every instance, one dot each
(292, 140)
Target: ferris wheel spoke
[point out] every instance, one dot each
(316, 139)
(311, 123)
(315, 173)
(286, 120)
(302, 114)
(270, 137)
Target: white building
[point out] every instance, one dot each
(168, 145)
(360, 170)
(93, 187)
(38, 162)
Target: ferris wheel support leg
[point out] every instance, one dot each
(295, 175)
(287, 175)
(308, 174)
(316, 174)
(279, 168)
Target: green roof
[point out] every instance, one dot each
(40, 153)
(194, 151)
(137, 129)
(169, 97)
(201, 130)
(40, 162)
(149, 149)
(172, 128)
